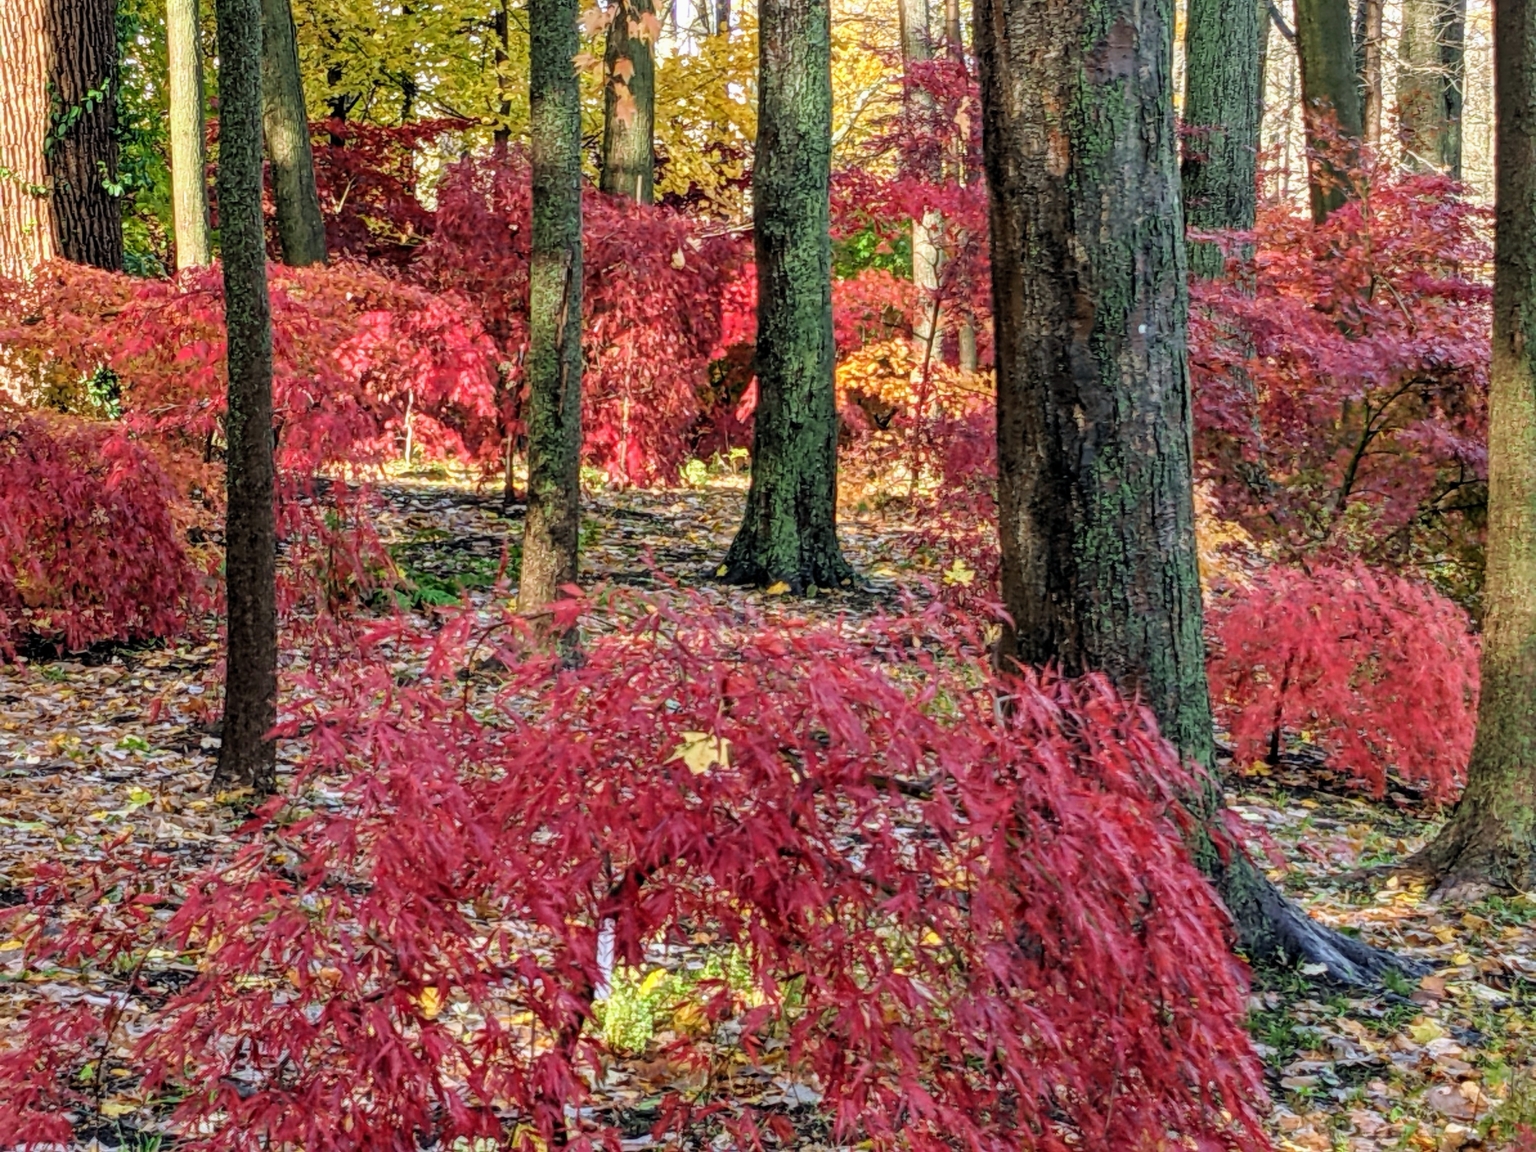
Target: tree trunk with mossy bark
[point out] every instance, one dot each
(1330, 98)
(188, 141)
(789, 533)
(247, 757)
(1095, 490)
(81, 148)
(300, 227)
(629, 103)
(1490, 839)
(1223, 79)
(551, 530)
(1431, 80)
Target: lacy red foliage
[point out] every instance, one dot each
(1382, 669)
(89, 548)
(653, 291)
(1340, 384)
(971, 925)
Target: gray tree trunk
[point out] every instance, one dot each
(1431, 81)
(1095, 488)
(789, 533)
(551, 531)
(247, 757)
(1330, 99)
(300, 226)
(189, 155)
(1491, 837)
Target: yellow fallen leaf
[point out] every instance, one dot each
(959, 573)
(652, 981)
(1425, 1031)
(114, 1108)
(431, 1002)
(778, 589)
(722, 570)
(701, 751)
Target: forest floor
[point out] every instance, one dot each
(120, 743)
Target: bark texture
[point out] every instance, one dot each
(1223, 80)
(1491, 837)
(927, 256)
(26, 225)
(551, 530)
(1431, 81)
(300, 227)
(81, 148)
(1095, 489)
(1330, 100)
(789, 533)
(629, 104)
(247, 758)
(189, 156)
(1368, 33)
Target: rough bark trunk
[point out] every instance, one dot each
(789, 533)
(300, 227)
(1430, 83)
(26, 225)
(1330, 100)
(189, 157)
(629, 104)
(501, 135)
(551, 529)
(81, 149)
(1095, 488)
(1368, 62)
(1222, 82)
(1491, 837)
(247, 758)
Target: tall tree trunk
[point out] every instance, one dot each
(1368, 66)
(927, 257)
(501, 135)
(1491, 837)
(26, 225)
(247, 758)
(300, 227)
(1330, 100)
(954, 40)
(789, 533)
(82, 136)
(1222, 83)
(551, 530)
(1095, 489)
(629, 103)
(189, 157)
(1430, 83)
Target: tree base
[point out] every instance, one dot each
(814, 560)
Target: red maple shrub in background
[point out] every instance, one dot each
(1381, 669)
(963, 924)
(89, 545)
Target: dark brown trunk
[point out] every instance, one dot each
(81, 148)
(1095, 488)
(247, 756)
(1330, 101)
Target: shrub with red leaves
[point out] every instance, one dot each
(654, 281)
(964, 903)
(89, 548)
(1340, 383)
(1382, 668)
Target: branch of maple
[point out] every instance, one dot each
(865, 98)
(1368, 433)
(1280, 25)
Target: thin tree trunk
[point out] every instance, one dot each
(1330, 101)
(1430, 84)
(81, 150)
(1368, 55)
(789, 533)
(1222, 82)
(501, 136)
(927, 256)
(26, 225)
(551, 530)
(954, 40)
(722, 17)
(300, 227)
(189, 157)
(1095, 490)
(247, 757)
(1453, 60)
(1491, 837)
(629, 103)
